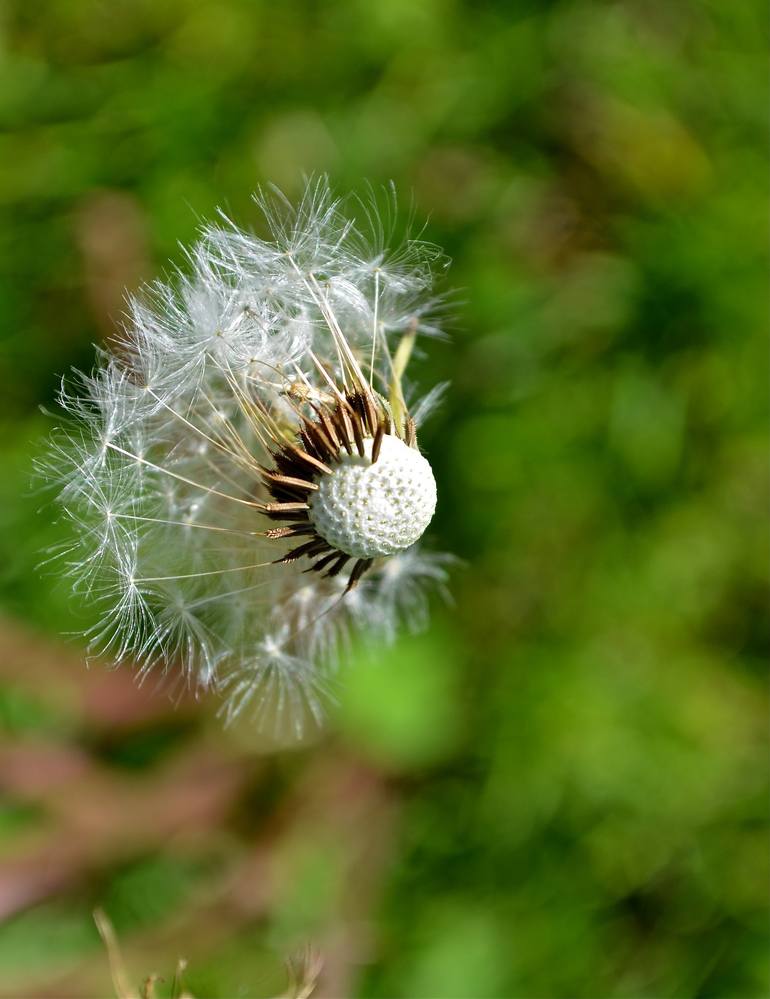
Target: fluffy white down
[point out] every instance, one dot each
(369, 510)
(158, 469)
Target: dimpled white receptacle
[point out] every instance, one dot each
(370, 510)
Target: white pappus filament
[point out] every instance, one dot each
(242, 468)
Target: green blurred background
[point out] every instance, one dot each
(560, 789)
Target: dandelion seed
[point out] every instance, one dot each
(243, 473)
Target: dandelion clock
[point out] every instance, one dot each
(243, 467)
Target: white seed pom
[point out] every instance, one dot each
(369, 510)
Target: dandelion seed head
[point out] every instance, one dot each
(242, 472)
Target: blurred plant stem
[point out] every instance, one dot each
(303, 970)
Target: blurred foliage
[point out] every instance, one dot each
(560, 790)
